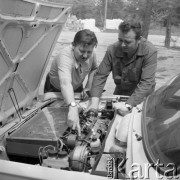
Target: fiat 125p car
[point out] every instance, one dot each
(35, 142)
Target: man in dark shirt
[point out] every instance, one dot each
(133, 62)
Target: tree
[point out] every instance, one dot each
(83, 9)
(147, 18)
(86, 9)
(115, 10)
(169, 9)
(171, 16)
(168, 27)
(141, 10)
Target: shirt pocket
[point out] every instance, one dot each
(134, 75)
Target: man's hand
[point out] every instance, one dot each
(121, 108)
(73, 119)
(93, 103)
(85, 94)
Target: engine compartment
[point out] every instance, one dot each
(47, 141)
(79, 153)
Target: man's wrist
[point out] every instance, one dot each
(94, 102)
(72, 104)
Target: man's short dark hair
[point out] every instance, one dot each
(85, 37)
(129, 24)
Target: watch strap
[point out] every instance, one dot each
(73, 104)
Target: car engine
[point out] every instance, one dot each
(79, 153)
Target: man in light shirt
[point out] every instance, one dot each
(69, 69)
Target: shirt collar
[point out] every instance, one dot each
(76, 62)
(140, 51)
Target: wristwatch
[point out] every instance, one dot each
(73, 104)
(129, 107)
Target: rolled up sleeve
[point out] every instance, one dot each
(101, 75)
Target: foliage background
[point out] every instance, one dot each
(85, 9)
(157, 16)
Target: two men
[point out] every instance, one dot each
(132, 61)
(69, 69)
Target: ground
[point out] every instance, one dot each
(168, 59)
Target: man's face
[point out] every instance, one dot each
(128, 42)
(82, 53)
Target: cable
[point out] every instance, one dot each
(67, 148)
(42, 151)
(112, 152)
(66, 134)
(84, 140)
(61, 143)
(48, 146)
(78, 103)
(40, 155)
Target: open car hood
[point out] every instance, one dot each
(28, 32)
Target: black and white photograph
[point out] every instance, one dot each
(89, 89)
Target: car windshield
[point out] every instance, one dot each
(161, 124)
